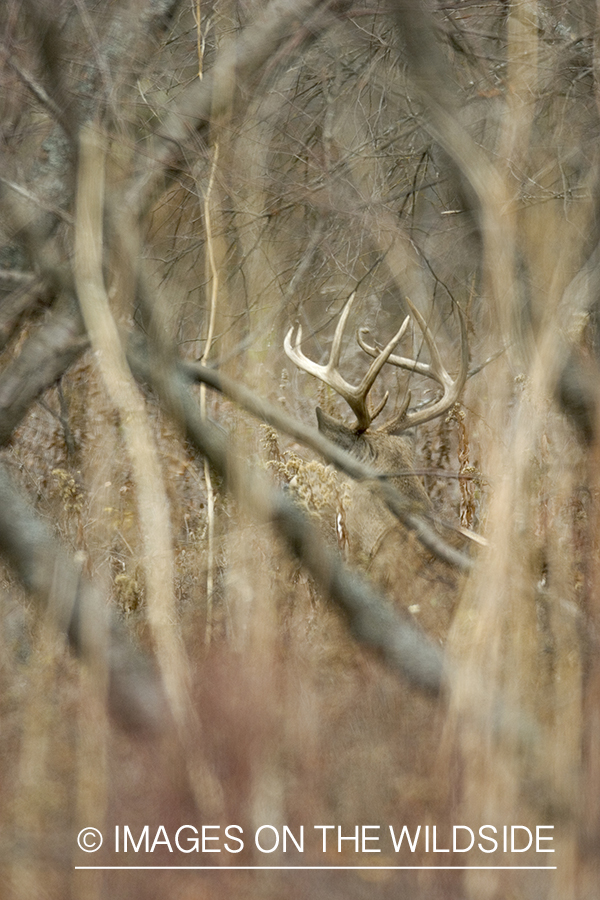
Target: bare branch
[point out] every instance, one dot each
(153, 507)
(77, 610)
(38, 201)
(40, 93)
(405, 510)
(371, 619)
(208, 98)
(17, 304)
(44, 358)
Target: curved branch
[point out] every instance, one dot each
(135, 695)
(371, 619)
(404, 509)
(44, 358)
(204, 99)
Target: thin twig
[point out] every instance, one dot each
(33, 198)
(40, 94)
(210, 493)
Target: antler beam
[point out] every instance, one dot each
(355, 397)
(451, 387)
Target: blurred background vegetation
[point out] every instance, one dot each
(181, 183)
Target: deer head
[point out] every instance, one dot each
(383, 448)
(356, 397)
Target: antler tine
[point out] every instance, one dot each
(380, 360)
(451, 387)
(297, 356)
(336, 346)
(328, 372)
(355, 397)
(403, 362)
(437, 370)
(362, 390)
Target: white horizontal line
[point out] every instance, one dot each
(314, 868)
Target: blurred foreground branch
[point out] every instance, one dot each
(134, 692)
(371, 619)
(402, 507)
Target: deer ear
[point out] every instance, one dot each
(324, 421)
(336, 431)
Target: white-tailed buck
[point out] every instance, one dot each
(373, 536)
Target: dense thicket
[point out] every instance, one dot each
(212, 614)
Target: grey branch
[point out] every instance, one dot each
(405, 510)
(242, 64)
(44, 358)
(371, 619)
(135, 696)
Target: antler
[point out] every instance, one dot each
(355, 397)
(451, 387)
